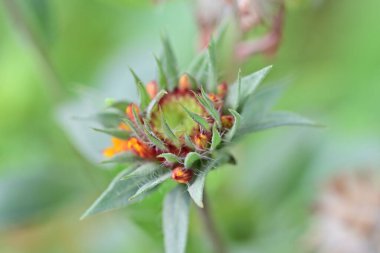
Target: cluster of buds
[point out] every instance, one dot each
(347, 215)
(174, 124)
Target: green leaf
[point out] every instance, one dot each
(144, 96)
(120, 105)
(236, 125)
(143, 171)
(124, 157)
(277, 119)
(168, 131)
(120, 190)
(169, 63)
(154, 103)
(197, 118)
(152, 183)
(212, 70)
(109, 119)
(196, 187)
(131, 126)
(162, 79)
(191, 158)
(171, 158)
(137, 119)
(216, 138)
(199, 67)
(153, 138)
(189, 142)
(176, 220)
(118, 133)
(209, 106)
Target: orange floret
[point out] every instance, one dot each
(140, 148)
(152, 89)
(118, 146)
(129, 111)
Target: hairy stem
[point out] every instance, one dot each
(209, 225)
(20, 22)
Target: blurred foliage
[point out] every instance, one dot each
(330, 51)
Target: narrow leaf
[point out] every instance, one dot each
(118, 133)
(124, 157)
(109, 119)
(216, 138)
(169, 63)
(209, 106)
(191, 158)
(162, 79)
(235, 127)
(117, 194)
(197, 118)
(212, 70)
(118, 105)
(144, 96)
(171, 158)
(151, 183)
(189, 142)
(168, 131)
(131, 126)
(176, 220)
(153, 138)
(154, 103)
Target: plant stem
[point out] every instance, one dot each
(20, 22)
(209, 224)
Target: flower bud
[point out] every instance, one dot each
(222, 89)
(129, 111)
(140, 148)
(184, 83)
(201, 141)
(182, 175)
(152, 89)
(227, 121)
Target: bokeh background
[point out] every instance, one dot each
(49, 156)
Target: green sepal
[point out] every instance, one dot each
(216, 138)
(153, 138)
(162, 79)
(168, 131)
(169, 157)
(191, 158)
(235, 127)
(115, 132)
(144, 96)
(154, 103)
(169, 63)
(212, 81)
(197, 118)
(119, 105)
(209, 106)
(189, 142)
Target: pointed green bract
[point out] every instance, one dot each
(216, 138)
(153, 138)
(197, 118)
(144, 96)
(168, 131)
(162, 79)
(176, 219)
(189, 142)
(118, 133)
(124, 157)
(169, 63)
(154, 103)
(191, 158)
(171, 158)
(151, 183)
(137, 119)
(212, 70)
(132, 126)
(235, 127)
(119, 105)
(209, 106)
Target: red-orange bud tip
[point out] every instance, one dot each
(184, 83)
(201, 141)
(222, 89)
(152, 89)
(182, 175)
(227, 121)
(129, 111)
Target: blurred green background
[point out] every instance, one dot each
(49, 170)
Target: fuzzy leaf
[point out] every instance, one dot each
(196, 187)
(176, 220)
(168, 131)
(169, 63)
(154, 103)
(131, 126)
(152, 183)
(209, 106)
(216, 138)
(171, 158)
(124, 157)
(212, 70)
(191, 158)
(236, 125)
(189, 142)
(118, 133)
(109, 119)
(197, 118)
(118, 105)
(277, 119)
(153, 138)
(138, 122)
(119, 191)
(144, 96)
(162, 79)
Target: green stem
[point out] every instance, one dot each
(211, 231)
(20, 22)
